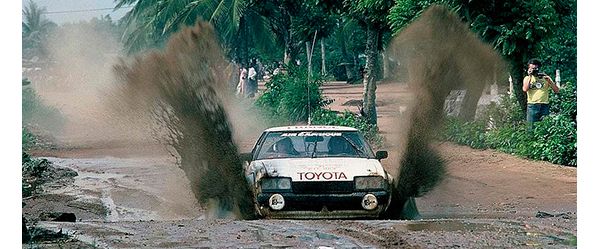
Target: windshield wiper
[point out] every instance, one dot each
(354, 146)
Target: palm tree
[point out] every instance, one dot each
(35, 26)
(149, 23)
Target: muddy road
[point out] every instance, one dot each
(133, 195)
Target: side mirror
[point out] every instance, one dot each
(382, 154)
(246, 157)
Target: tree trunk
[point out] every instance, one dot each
(517, 74)
(385, 63)
(287, 54)
(378, 67)
(243, 45)
(346, 61)
(356, 71)
(309, 59)
(468, 106)
(370, 85)
(323, 67)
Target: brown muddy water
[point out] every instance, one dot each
(150, 202)
(438, 53)
(184, 90)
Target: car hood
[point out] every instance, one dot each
(319, 169)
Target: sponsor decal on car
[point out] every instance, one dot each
(311, 134)
(310, 176)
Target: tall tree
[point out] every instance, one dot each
(280, 14)
(314, 25)
(238, 24)
(350, 39)
(515, 28)
(372, 15)
(35, 27)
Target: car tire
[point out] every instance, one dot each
(401, 208)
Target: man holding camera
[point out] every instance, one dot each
(537, 86)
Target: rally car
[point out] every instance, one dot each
(317, 172)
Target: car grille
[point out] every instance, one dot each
(322, 187)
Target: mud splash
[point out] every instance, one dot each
(185, 91)
(439, 54)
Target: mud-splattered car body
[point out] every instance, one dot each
(317, 172)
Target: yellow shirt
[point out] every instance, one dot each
(537, 95)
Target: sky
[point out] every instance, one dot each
(65, 11)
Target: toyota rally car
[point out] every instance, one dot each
(317, 172)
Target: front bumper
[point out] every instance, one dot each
(328, 206)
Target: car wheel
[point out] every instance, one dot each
(401, 208)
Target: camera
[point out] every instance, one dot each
(536, 72)
(536, 85)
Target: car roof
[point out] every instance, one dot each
(311, 128)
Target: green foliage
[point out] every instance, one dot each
(28, 140)
(504, 113)
(559, 49)
(32, 170)
(511, 140)
(238, 24)
(404, 12)
(315, 17)
(554, 139)
(466, 133)
(518, 30)
(347, 118)
(285, 102)
(343, 48)
(372, 12)
(33, 166)
(35, 25)
(34, 111)
(291, 96)
(566, 101)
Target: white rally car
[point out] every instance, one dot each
(317, 172)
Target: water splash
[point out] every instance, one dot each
(185, 91)
(439, 53)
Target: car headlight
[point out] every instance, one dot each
(369, 183)
(276, 183)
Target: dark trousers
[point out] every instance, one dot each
(535, 112)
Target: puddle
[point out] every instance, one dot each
(448, 226)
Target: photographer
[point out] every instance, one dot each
(537, 86)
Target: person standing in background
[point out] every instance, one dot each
(252, 80)
(537, 85)
(242, 83)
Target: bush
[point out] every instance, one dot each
(34, 111)
(28, 140)
(292, 96)
(566, 101)
(502, 127)
(285, 102)
(465, 133)
(555, 140)
(347, 118)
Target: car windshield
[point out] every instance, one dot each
(307, 144)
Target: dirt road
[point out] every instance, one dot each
(488, 199)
